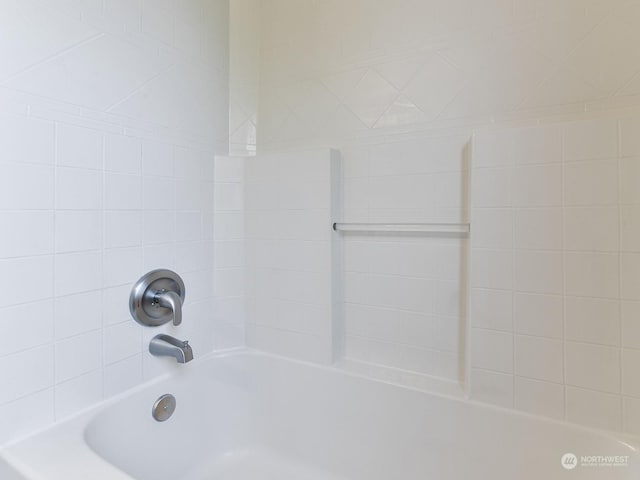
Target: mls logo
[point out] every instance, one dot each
(569, 461)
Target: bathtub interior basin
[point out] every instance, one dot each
(253, 416)
(256, 416)
(7, 472)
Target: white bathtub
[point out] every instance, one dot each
(254, 416)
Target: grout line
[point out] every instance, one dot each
(579, 387)
(563, 215)
(56, 55)
(139, 88)
(554, 339)
(102, 262)
(53, 285)
(512, 173)
(619, 319)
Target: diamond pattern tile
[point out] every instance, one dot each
(455, 60)
(372, 97)
(434, 86)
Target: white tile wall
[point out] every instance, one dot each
(554, 264)
(404, 295)
(560, 304)
(290, 269)
(229, 255)
(492, 387)
(539, 397)
(244, 66)
(99, 140)
(341, 72)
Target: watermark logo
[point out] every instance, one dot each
(569, 461)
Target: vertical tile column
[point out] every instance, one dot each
(289, 207)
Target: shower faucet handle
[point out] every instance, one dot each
(172, 301)
(157, 298)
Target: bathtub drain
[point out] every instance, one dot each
(164, 407)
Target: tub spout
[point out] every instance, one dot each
(168, 346)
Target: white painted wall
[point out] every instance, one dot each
(111, 114)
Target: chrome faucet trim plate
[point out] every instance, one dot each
(157, 298)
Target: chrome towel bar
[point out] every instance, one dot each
(439, 228)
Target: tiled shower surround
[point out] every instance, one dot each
(547, 315)
(112, 113)
(519, 117)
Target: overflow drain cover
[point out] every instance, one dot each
(164, 407)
